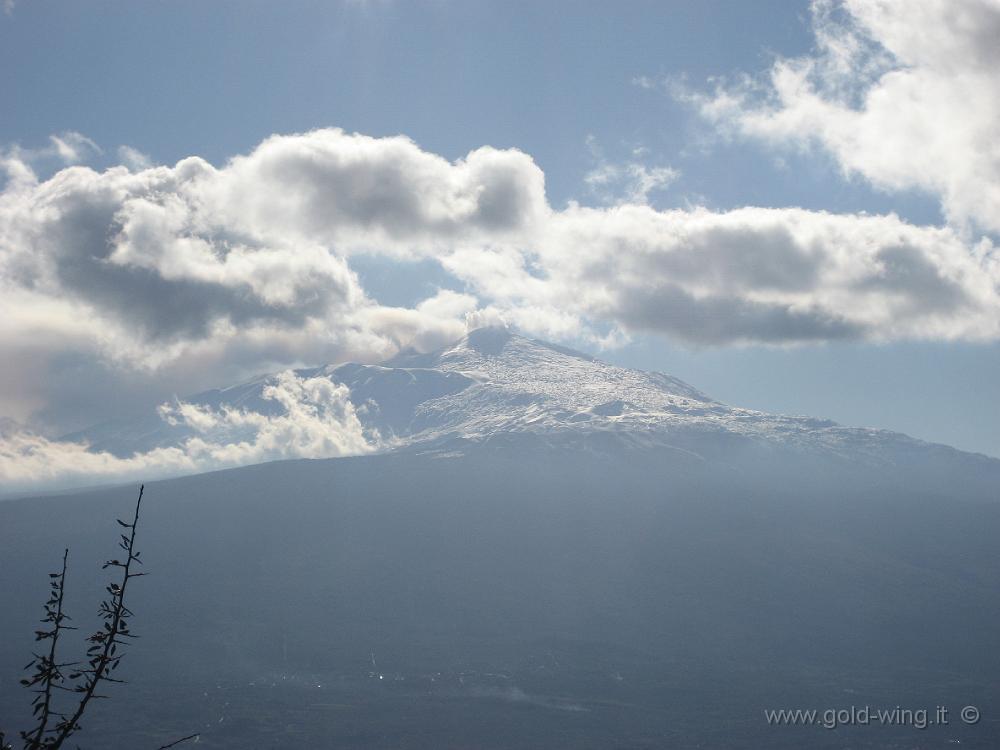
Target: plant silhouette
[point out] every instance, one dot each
(106, 647)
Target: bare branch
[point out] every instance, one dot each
(102, 653)
(48, 672)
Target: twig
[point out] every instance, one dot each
(177, 742)
(48, 672)
(103, 653)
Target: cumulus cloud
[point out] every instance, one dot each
(136, 283)
(187, 276)
(314, 419)
(906, 95)
(748, 275)
(356, 193)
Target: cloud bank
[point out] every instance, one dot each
(189, 276)
(751, 275)
(156, 262)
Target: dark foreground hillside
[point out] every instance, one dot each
(522, 597)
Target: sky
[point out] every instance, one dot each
(792, 206)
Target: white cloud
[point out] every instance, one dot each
(745, 276)
(73, 147)
(66, 149)
(906, 95)
(627, 182)
(353, 193)
(133, 284)
(183, 277)
(316, 420)
(631, 182)
(134, 159)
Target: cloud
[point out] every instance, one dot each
(315, 419)
(745, 276)
(905, 95)
(628, 182)
(122, 287)
(172, 279)
(356, 193)
(134, 159)
(63, 149)
(73, 147)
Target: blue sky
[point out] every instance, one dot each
(577, 87)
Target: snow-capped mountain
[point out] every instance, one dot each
(495, 385)
(533, 521)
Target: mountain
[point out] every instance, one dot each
(545, 551)
(495, 385)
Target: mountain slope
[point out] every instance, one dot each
(519, 596)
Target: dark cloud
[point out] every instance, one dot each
(673, 311)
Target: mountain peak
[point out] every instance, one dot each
(485, 343)
(489, 340)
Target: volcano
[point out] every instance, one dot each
(539, 550)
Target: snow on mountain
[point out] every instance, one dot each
(495, 384)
